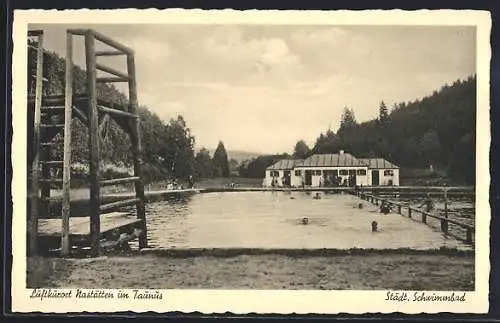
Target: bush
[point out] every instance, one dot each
(154, 173)
(111, 171)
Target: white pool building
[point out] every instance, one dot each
(330, 170)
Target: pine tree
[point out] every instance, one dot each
(348, 119)
(221, 162)
(347, 122)
(204, 165)
(383, 114)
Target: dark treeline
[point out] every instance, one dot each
(256, 167)
(436, 132)
(168, 147)
(216, 166)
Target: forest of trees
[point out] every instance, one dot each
(168, 147)
(216, 166)
(435, 132)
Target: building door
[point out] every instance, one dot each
(375, 178)
(287, 178)
(352, 177)
(335, 178)
(308, 177)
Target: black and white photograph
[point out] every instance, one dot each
(295, 162)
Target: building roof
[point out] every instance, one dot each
(379, 163)
(285, 164)
(333, 160)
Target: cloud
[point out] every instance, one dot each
(275, 52)
(228, 56)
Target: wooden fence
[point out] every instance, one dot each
(463, 229)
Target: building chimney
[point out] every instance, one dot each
(341, 152)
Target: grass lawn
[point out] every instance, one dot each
(270, 271)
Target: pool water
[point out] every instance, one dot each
(275, 220)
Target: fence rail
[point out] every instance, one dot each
(412, 211)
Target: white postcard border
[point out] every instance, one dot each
(252, 301)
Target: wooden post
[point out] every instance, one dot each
(424, 217)
(68, 103)
(95, 225)
(34, 214)
(444, 225)
(137, 149)
(45, 187)
(445, 191)
(399, 208)
(409, 211)
(469, 235)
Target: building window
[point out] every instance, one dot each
(275, 173)
(343, 172)
(388, 172)
(317, 172)
(352, 172)
(361, 172)
(298, 173)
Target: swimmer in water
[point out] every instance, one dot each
(385, 208)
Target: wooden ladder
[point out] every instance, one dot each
(128, 119)
(51, 119)
(35, 167)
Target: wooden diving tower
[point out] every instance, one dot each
(102, 227)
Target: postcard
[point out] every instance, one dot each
(260, 161)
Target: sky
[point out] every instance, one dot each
(261, 88)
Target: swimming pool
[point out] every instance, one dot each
(274, 220)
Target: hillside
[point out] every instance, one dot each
(167, 146)
(238, 155)
(437, 130)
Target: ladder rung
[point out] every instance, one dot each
(111, 79)
(50, 113)
(49, 108)
(120, 180)
(47, 144)
(109, 53)
(58, 100)
(51, 180)
(52, 162)
(58, 125)
(111, 71)
(109, 206)
(51, 199)
(80, 115)
(116, 111)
